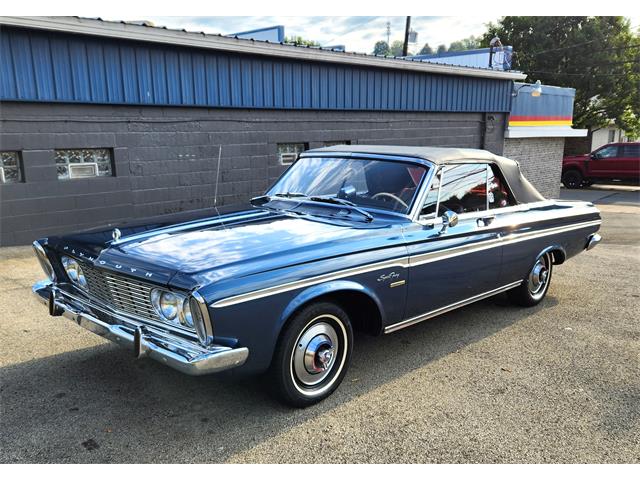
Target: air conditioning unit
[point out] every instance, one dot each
(83, 170)
(288, 158)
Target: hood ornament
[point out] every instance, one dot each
(116, 234)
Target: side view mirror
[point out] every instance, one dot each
(347, 192)
(594, 156)
(449, 219)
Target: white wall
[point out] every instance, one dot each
(602, 137)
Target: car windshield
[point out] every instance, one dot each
(386, 185)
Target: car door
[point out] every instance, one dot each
(449, 264)
(630, 160)
(605, 163)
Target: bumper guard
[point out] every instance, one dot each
(594, 240)
(178, 352)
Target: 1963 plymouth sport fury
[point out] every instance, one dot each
(376, 238)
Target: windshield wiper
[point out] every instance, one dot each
(340, 201)
(290, 195)
(262, 200)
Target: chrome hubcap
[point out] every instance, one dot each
(539, 276)
(315, 354)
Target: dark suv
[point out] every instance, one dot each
(614, 161)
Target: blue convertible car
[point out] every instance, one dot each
(376, 238)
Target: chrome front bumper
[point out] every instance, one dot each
(179, 352)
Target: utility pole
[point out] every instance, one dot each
(389, 33)
(405, 46)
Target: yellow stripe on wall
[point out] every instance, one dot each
(539, 123)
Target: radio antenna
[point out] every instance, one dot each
(215, 192)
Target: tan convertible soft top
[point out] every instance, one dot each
(522, 190)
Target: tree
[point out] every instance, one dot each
(381, 48)
(468, 43)
(301, 41)
(426, 50)
(396, 48)
(442, 48)
(598, 56)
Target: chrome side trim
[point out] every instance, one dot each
(520, 208)
(421, 259)
(178, 352)
(521, 237)
(429, 257)
(403, 262)
(425, 316)
(265, 292)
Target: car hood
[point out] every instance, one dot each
(239, 245)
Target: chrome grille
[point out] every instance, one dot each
(122, 293)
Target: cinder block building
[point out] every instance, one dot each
(104, 122)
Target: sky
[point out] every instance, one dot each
(358, 34)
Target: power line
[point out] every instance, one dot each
(563, 48)
(626, 47)
(580, 74)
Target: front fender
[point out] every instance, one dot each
(316, 291)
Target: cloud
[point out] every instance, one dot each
(359, 34)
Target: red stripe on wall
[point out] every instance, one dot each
(538, 118)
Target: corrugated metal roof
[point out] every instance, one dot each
(51, 66)
(146, 33)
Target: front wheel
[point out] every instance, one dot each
(313, 354)
(572, 179)
(536, 284)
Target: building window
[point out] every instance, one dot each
(331, 143)
(10, 167)
(288, 152)
(612, 136)
(84, 163)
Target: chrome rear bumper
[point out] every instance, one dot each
(179, 352)
(594, 240)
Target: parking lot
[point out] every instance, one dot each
(488, 383)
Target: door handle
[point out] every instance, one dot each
(486, 221)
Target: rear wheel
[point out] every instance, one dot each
(313, 354)
(572, 179)
(535, 285)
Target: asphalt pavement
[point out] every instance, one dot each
(559, 382)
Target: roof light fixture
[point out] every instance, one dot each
(536, 89)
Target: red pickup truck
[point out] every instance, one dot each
(614, 161)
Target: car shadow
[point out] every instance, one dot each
(100, 405)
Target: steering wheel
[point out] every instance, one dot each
(392, 197)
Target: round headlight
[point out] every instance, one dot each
(74, 271)
(185, 314)
(169, 305)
